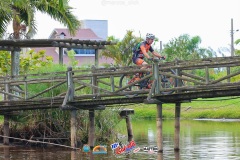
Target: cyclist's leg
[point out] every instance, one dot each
(140, 62)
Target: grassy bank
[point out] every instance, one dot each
(227, 107)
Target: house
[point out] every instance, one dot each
(83, 56)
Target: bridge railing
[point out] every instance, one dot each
(50, 89)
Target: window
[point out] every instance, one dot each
(86, 52)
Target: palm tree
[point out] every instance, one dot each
(22, 15)
(121, 53)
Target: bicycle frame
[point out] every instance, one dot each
(145, 81)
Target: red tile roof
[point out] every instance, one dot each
(82, 34)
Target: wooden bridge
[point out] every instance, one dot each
(97, 88)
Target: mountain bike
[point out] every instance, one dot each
(146, 83)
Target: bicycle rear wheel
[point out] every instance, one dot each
(168, 82)
(125, 80)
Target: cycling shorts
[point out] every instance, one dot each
(139, 61)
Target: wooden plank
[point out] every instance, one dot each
(92, 86)
(46, 90)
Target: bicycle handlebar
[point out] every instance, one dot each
(162, 58)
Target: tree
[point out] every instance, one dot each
(237, 51)
(121, 53)
(186, 48)
(29, 62)
(22, 15)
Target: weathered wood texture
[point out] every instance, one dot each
(105, 84)
(64, 43)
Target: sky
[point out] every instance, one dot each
(167, 19)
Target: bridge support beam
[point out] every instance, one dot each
(73, 111)
(91, 135)
(6, 118)
(126, 114)
(73, 128)
(129, 128)
(159, 128)
(177, 126)
(6, 130)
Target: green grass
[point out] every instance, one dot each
(200, 108)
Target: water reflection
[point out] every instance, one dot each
(177, 155)
(160, 156)
(198, 140)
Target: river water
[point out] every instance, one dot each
(199, 140)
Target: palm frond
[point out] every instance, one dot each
(63, 15)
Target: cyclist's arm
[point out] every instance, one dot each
(157, 54)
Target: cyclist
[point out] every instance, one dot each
(142, 51)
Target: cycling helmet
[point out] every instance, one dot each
(150, 36)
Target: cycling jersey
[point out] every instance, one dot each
(139, 54)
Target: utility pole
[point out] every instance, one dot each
(160, 46)
(232, 41)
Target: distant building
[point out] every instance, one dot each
(95, 30)
(99, 27)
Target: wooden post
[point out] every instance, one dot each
(96, 58)
(73, 128)
(177, 155)
(6, 117)
(91, 136)
(129, 128)
(6, 130)
(159, 106)
(112, 83)
(177, 126)
(207, 74)
(73, 112)
(73, 155)
(160, 156)
(156, 76)
(6, 153)
(228, 72)
(15, 61)
(126, 114)
(178, 73)
(177, 114)
(60, 55)
(159, 128)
